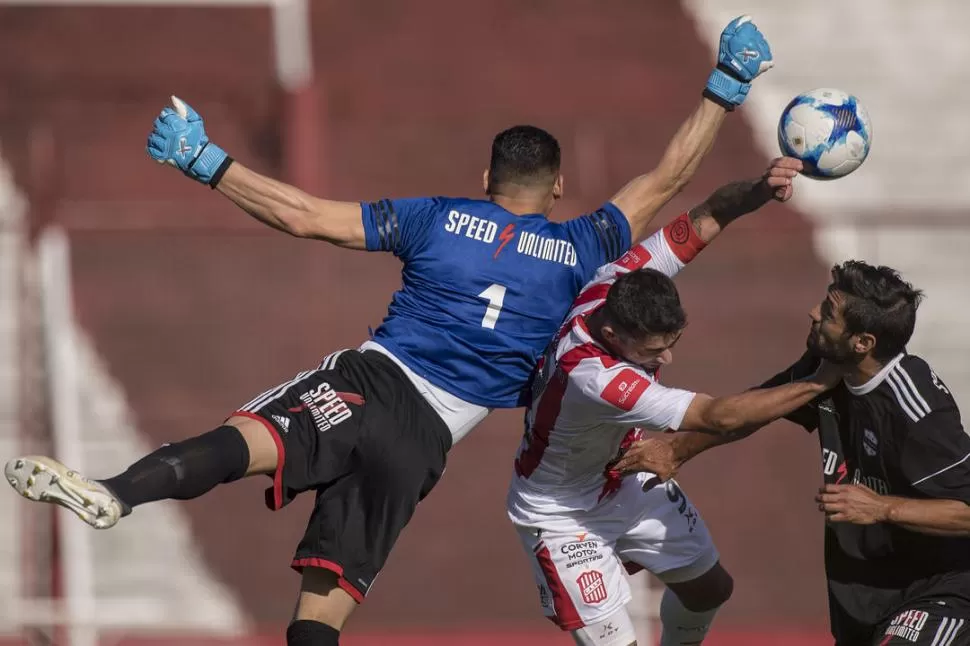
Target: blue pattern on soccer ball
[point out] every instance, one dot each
(829, 130)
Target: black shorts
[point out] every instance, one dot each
(926, 623)
(358, 433)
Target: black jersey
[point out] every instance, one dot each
(899, 434)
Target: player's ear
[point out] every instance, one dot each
(485, 181)
(557, 187)
(864, 343)
(609, 334)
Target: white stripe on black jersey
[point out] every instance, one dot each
(907, 396)
(913, 390)
(943, 470)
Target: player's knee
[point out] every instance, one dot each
(322, 599)
(706, 592)
(720, 591)
(263, 452)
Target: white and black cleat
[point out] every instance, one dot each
(46, 480)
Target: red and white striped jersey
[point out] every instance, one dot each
(587, 405)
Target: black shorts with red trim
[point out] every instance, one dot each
(358, 433)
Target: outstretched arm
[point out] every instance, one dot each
(292, 211)
(738, 415)
(743, 55)
(719, 420)
(643, 197)
(178, 138)
(711, 421)
(671, 248)
(731, 201)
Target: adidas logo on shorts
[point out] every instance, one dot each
(284, 422)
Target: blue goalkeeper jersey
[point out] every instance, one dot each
(483, 290)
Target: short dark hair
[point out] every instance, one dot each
(523, 155)
(645, 302)
(878, 302)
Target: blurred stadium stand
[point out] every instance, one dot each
(903, 208)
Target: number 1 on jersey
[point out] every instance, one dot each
(495, 295)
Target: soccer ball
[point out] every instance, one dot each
(828, 129)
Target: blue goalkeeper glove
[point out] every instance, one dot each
(743, 55)
(178, 138)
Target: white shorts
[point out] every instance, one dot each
(580, 560)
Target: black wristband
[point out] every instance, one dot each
(223, 167)
(727, 105)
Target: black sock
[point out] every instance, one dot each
(304, 632)
(183, 470)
